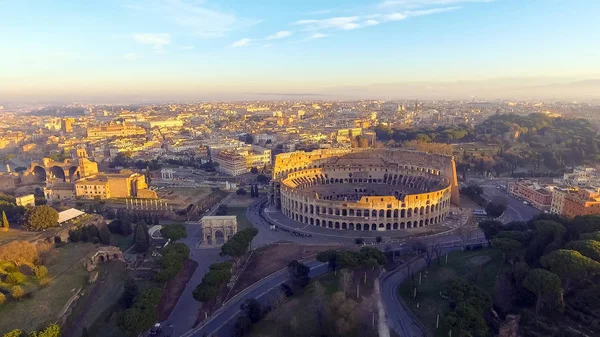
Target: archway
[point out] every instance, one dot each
(39, 173)
(73, 173)
(57, 172)
(219, 237)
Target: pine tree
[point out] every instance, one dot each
(4, 221)
(142, 238)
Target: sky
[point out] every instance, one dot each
(232, 49)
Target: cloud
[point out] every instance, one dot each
(157, 41)
(344, 22)
(241, 43)
(187, 47)
(194, 15)
(361, 21)
(318, 36)
(279, 35)
(131, 56)
(408, 4)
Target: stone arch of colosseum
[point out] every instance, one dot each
(354, 189)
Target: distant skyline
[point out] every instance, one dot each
(169, 50)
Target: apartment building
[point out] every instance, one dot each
(115, 130)
(585, 202)
(538, 196)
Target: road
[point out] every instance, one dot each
(184, 314)
(516, 210)
(399, 317)
(264, 291)
(186, 310)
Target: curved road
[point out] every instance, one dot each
(264, 291)
(400, 319)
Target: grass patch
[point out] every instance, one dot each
(460, 265)
(43, 305)
(121, 241)
(240, 213)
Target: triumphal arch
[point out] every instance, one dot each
(216, 230)
(364, 189)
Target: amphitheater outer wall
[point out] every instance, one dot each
(425, 185)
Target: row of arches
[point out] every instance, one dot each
(367, 213)
(343, 225)
(55, 172)
(284, 173)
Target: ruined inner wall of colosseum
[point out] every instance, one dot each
(364, 189)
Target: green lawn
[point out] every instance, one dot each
(123, 242)
(45, 304)
(242, 220)
(460, 265)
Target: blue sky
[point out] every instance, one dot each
(171, 46)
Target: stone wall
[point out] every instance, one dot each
(364, 189)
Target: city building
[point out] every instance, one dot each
(582, 176)
(115, 130)
(25, 200)
(584, 202)
(538, 196)
(241, 160)
(231, 162)
(125, 184)
(66, 125)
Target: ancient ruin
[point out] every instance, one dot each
(216, 230)
(364, 189)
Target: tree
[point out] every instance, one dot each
(253, 309)
(17, 292)
(241, 191)
(346, 280)
(465, 233)
(508, 247)
(53, 330)
(2, 298)
(40, 272)
(174, 232)
(590, 236)
(379, 239)
(495, 209)
(589, 248)
(4, 224)
(19, 252)
(490, 228)
(141, 238)
(130, 292)
(254, 170)
(569, 264)
(241, 327)
(430, 251)
(262, 179)
(104, 235)
(40, 217)
(542, 283)
(239, 242)
(298, 273)
(14, 333)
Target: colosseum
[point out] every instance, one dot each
(364, 189)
